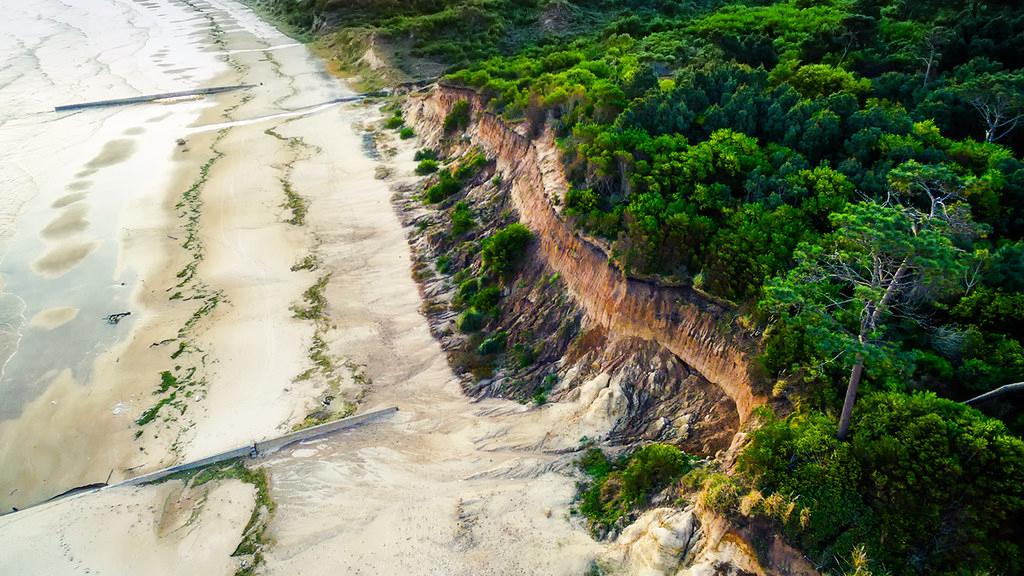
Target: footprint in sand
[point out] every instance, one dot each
(52, 318)
(58, 261)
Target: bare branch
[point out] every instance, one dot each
(1002, 390)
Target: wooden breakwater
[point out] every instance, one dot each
(257, 449)
(151, 97)
(254, 450)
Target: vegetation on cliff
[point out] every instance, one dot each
(926, 485)
(846, 172)
(619, 488)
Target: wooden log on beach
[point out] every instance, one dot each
(151, 97)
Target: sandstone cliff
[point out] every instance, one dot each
(703, 333)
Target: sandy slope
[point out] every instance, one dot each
(447, 486)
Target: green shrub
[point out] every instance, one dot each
(522, 355)
(394, 123)
(486, 300)
(426, 167)
(469, 321)
(458, 117)
(449, 183)
(540, 397)
(444, 264)
(426, 154)
(649, 470)
(462, 219)
(619, 488)
(720, 493)
(468, 288)
(817, 80)
(595, 464)
(494, 344)
(504, 249)
(470, 166)
(446, 186)
(924, 484)
(581, 201)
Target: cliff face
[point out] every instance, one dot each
(619, 389)
(698, 330)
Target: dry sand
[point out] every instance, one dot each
(161, 529)
(447, 486)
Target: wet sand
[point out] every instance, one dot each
(448, 486)
(212, 252)
(53, 318)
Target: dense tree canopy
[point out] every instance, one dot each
(849, 171)
(709, 144)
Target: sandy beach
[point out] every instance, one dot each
(269, 276)
(197, 243)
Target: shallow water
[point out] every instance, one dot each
(65, 177)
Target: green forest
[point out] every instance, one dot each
(848, 174)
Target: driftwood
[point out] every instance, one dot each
(115, 318)
(1006, 389)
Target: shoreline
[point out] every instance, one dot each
(170, 332)
(224, 258)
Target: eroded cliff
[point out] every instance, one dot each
(703, 333)
(632, 360)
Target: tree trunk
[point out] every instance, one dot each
(874, 314)
(851, 397)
